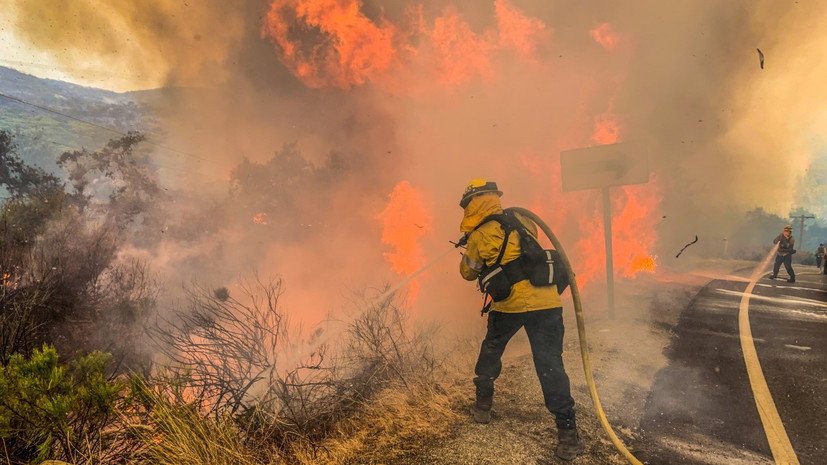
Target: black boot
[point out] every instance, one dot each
(569, 443)
(481, 409)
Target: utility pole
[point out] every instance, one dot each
(801, 230)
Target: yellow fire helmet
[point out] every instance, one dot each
(478, 186)
(788, 228)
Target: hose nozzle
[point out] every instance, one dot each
(461, 242)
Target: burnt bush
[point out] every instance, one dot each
(67, 287)
(64, 281)
(222, 348)
(233, 356)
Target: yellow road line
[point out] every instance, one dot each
(782, 450)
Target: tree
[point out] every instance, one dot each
(753, 239)
(113, 177)
(62, 280)
(20, 179)
(271, 186)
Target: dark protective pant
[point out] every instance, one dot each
(787, 260)
(545, 334)
(818, 262)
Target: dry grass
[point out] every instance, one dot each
(396, 421)
(180, 435)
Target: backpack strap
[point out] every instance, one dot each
(513, 269)
(507, 228)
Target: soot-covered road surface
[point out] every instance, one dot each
(702, 406)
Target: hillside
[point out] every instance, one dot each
(60, 116)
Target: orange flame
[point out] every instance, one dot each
(634, 213)
(460, 53)
(590, 248)
(604, 36)
(405, 221)
(516, 29)
(606, 127)
(351, 49)
(634, 216)
(632, 230)
(331, 43)
(260, 218)
(632, 235)
(640, 264)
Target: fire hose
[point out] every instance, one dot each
(581, 331)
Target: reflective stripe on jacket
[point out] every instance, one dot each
(483, 248)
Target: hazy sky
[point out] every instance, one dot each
(22, 53)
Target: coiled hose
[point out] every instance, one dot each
(581, 331)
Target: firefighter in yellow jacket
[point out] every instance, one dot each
(537, 309)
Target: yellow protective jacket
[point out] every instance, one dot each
(483, 248)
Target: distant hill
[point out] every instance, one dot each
(42, 135)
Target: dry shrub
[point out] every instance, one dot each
(222, 348)
(66, 286)
(372, 392)
(384, 394)
(21, 324)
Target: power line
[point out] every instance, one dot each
(62, 114)
(149, 163)
(115, 131)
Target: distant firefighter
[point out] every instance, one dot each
(786, 249)
(819, 255)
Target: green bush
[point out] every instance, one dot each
(50, 410)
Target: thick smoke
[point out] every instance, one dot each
(442, 93)
(154, 43)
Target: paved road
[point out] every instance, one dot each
(702, 407)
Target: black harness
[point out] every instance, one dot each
(542, 267)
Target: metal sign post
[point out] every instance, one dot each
(607, 233)
(601, 167)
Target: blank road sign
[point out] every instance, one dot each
(603, 166)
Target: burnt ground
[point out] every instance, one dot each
(627, 354)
